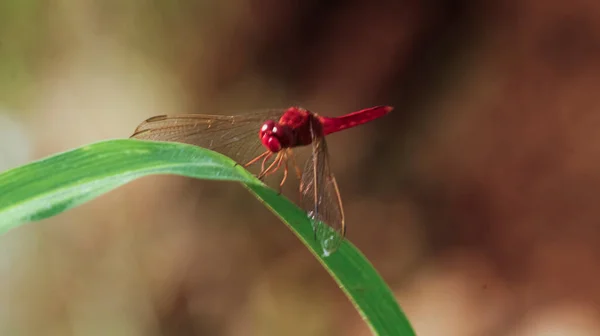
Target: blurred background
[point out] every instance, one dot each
(477, 199)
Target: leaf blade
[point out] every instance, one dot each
(60, 182)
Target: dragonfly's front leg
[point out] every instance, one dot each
(265, 156)
(262, 166)
(274, 166)
(253, 161)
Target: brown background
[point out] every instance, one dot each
(477, 198)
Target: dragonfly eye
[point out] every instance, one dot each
(267, 128)
(271, 142)
(274, 136)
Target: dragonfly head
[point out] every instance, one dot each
(275, 136)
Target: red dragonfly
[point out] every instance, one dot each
(279, 131)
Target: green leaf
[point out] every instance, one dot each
(55, 184)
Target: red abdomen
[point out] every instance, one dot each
(332, 125)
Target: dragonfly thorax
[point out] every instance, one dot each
(275, 136)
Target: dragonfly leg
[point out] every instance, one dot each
(262, 166)
(267, 155)
(274, 166)
(251, 162)
(263, 170)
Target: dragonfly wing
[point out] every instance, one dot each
(320, 194)
(234, 136)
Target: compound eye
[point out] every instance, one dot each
(274, 144)
(271, 143)
(268, 126)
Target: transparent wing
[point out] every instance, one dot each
(234, 136)
(320, 194)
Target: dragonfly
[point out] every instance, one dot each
(268, 138)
